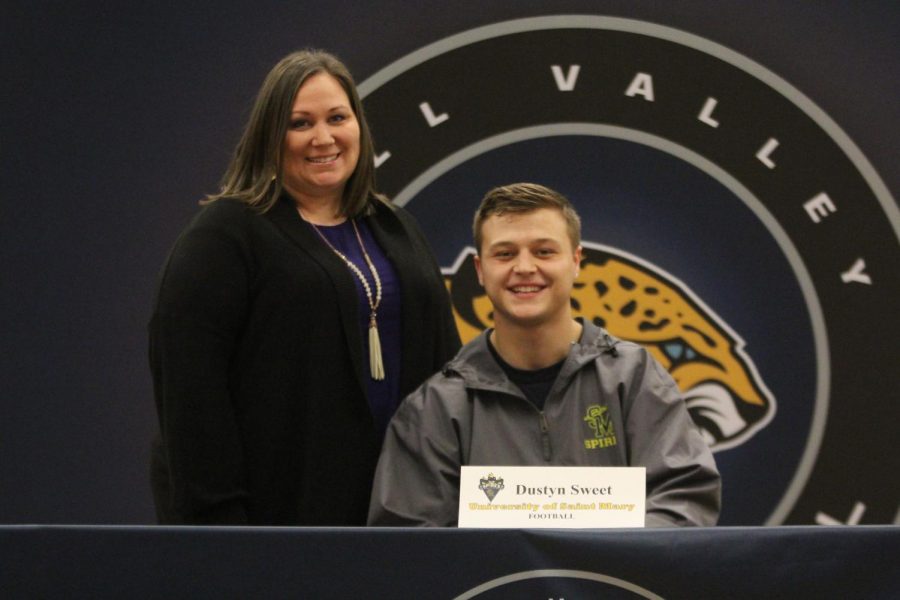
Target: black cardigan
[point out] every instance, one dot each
(257, 361)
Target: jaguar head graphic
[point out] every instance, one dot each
(636, 301)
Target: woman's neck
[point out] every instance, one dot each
(320, 211)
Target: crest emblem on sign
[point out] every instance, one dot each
(491, 486)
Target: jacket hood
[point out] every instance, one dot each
(476, 365)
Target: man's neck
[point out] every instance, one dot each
(532, 348)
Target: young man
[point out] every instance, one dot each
(541, 388)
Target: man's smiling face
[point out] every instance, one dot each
(527, 266)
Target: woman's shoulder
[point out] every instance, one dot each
(387, 210)
(224, 222)
(384, 206)
(225, 209)
(226, 214)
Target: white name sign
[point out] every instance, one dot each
(552, 496)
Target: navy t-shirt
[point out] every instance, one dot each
(536, 385)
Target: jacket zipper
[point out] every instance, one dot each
(545, 437)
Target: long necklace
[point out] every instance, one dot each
(376, 366)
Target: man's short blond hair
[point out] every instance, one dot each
(517, 198)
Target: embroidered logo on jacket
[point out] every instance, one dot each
(598, 420)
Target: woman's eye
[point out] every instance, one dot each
(299, 124)
(338, 118)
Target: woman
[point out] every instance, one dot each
(293, 314)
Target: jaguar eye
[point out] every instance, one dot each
(678, 352)
(674, 350)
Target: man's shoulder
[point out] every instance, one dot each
(626, 359)
(443, 389)
(439, 401)
(597, 342)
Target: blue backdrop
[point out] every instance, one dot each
(117, 118)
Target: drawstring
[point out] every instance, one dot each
(612, 348)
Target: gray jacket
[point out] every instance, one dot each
(611, 405)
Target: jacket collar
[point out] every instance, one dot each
(478, 369)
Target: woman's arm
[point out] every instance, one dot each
(201, 308)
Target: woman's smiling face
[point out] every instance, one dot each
(321, 146)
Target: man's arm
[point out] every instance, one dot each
(417, 479)
(683, 483)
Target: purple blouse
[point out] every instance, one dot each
(383, 395)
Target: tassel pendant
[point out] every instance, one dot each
(376, 366)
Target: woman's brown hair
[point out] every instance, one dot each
(254, 174)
